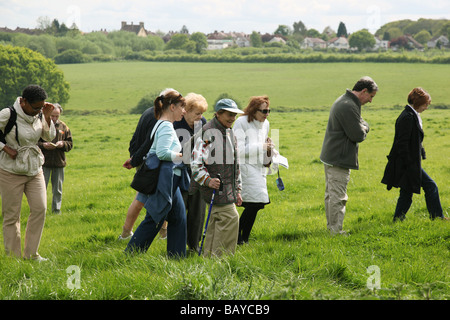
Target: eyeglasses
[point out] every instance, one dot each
(265, 111)
(35, 108)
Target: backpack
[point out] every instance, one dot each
(11, 123)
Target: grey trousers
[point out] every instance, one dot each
(57, 179)
(336, 181)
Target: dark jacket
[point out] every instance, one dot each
(219, 141)
(345, 129)
(140, 142)
(56, 158)
(182, 124)
(404, 167)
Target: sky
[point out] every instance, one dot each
(208, 16)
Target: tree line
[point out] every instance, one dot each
(68, 45)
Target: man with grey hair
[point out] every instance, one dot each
(345, 130)
(55, 157)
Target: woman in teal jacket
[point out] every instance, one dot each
(166, 203)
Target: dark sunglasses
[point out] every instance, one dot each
(265, 111)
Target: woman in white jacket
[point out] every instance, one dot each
(255, 148)
(21, 170)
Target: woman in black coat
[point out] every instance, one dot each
(404, 169)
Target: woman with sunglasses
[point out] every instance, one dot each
(255, 148)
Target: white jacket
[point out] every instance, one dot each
(29, 159)
(250, 139)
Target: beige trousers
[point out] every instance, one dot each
(12, 188)
(222, 233)
(336, 181)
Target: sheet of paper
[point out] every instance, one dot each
(283, 161)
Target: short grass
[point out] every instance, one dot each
(120, 86)
(290, 254)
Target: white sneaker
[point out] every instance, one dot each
(37, 258)
(126, 238)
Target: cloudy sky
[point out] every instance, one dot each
(223, 15)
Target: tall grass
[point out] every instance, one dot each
(290, 254)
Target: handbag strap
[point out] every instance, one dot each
(154, 134)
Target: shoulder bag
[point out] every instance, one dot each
(145, 179)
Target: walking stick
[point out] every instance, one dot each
(209, 214)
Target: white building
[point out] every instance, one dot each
(340, 43)
(314, 43)
(381, 44)
(440, 39)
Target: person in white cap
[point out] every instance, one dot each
(215, 153)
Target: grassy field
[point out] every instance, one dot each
(119, 86)
(290, 254)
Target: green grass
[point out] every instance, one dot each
(120, 86)
(290, 254)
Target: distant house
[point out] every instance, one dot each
(340, 43)
(407, 42)
(242, 41)
(314, 43)
(438, 41)
(277, 40)
(218, 44)
(30, 32)
(380, 44)
(139, 30)
(222, 40)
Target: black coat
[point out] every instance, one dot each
(140, 142)
(404, 168)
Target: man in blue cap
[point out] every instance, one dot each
(215, 153)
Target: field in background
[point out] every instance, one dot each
(119, 86)
(290, 254)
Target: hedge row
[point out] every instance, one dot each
(290, 58)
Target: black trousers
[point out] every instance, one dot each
(432, 199)
(247, 220)
(195, 218)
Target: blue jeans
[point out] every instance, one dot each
(431, 198)
(176, 228)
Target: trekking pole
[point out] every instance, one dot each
(209, 214)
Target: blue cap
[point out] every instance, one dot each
(228, 105)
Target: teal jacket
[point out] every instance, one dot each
(345, 130)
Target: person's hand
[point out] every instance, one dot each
(239, 200)
(127, 164)
(47, 110)
(49, 146)
(214, 183)
(60, 144)
(268, 146)
(10, 151)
